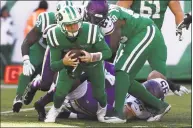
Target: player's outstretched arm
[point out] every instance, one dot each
(179, 16)
(32, 37)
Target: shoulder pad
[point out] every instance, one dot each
(107, 27)
(51, 36)
(48, 28)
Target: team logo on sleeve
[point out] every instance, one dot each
(38, 22)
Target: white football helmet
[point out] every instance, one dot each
(60, 5)
(68, 16)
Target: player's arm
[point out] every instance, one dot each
(124, 3)
(31, 38)
(34, 35)
(176, 9)
(56, 63)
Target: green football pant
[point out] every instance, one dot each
(130, 59)
(96, 77)
(36, 58)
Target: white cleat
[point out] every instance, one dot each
(17, 103)
(101, 112)
(52, 114)
(158, 117)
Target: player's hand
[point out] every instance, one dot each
(181, 91)
(90, 57)
(87, 57)
(28, 68)
(186, 22)
(68, 61)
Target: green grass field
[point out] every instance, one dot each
(179, 115)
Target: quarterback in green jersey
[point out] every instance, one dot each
(33, 49)
(72, 33)
(155, 9)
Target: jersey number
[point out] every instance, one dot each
(164, 87)
(147, 11)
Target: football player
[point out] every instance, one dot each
(43, 82)
(33, 49)
(155, 10)
(72, 33)
(139, 38)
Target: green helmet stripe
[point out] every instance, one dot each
(75, 16)
(69, 3)
(68, 11)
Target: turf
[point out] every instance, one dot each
(179, 116)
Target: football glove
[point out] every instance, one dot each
(28, 68)
(179, 34)
(181, 91)
(184, 24)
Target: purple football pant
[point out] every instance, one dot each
(47, 75)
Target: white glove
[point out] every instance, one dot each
(182, 91)
(28, 68)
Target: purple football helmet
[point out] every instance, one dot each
(96, 11)
(154, 88)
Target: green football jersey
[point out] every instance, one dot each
(89, 39)
(43, 21)
(154, 9)
(134, 22)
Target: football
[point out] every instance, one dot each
(77, 53)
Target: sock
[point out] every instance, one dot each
(23, 82)
(140, 92)
(58, 101)
(122, 84)
(46, 99)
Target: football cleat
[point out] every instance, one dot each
(41, 111)
(101, 112)
(17, 103)
(31, 90)
(52, 114)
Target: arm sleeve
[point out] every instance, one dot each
(32, 37)
(55, 55)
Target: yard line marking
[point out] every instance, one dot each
(22, 110)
